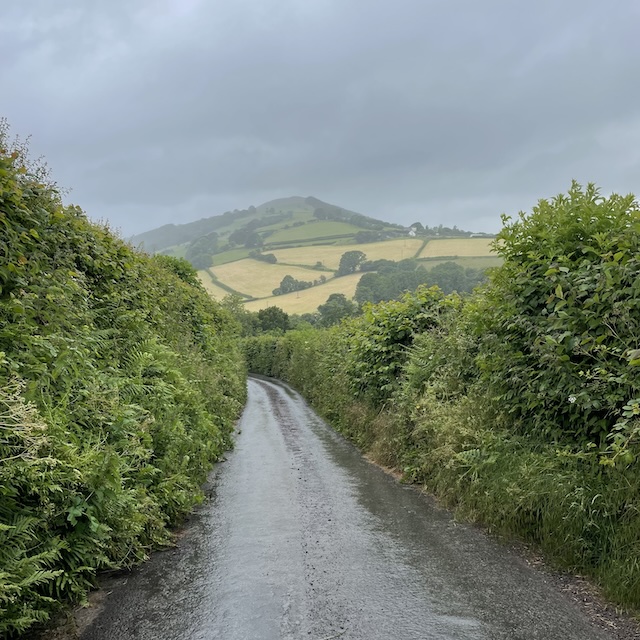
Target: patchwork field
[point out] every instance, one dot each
(319, 229)
(259, 279)
(212, 288)
(457, 247)
(308, 300)
(330, 255)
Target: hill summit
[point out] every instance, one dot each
(262, 220)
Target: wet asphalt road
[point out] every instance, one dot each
(302, 538)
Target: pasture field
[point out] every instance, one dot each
(308, 300)
(319, 229)
(212, 288)
(461, 247)
(330, 255)
(298, 216)
(230, 256)
(259, 279)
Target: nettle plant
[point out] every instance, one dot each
(560, 321)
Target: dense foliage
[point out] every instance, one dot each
(269, 258)
(392, 279)
(199, 252)
(379, 341)
(519, 405)
(563, 316)
(350, 262)
(337, 308)
(289, 284)
(119, 384)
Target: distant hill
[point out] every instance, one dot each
(249, 252)
(262, 221)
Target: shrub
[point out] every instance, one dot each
(560, 323)
(120, 380)
(380, 338)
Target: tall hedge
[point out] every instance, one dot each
(120, 381)
(560, 323)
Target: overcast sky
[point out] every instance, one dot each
(438, 111)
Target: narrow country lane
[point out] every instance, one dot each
(303, 538)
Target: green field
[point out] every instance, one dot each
(214, 290)
(319, 229)
(230, 256)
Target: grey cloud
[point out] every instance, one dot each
(443, 111)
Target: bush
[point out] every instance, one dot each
(120, 380)
(379, 339)
(560, 323)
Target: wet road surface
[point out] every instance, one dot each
(302, 538)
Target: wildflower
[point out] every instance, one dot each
(572, 399)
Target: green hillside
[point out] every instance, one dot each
(266, 219)
(250, 251)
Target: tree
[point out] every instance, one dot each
(239, 236)
(289, 284)
(335, 309)
(263, 257)
(273, 319)
(254, 239)
(199, 252)
(368, 236)
(350, 262)
(249, 321)
(449, 276)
